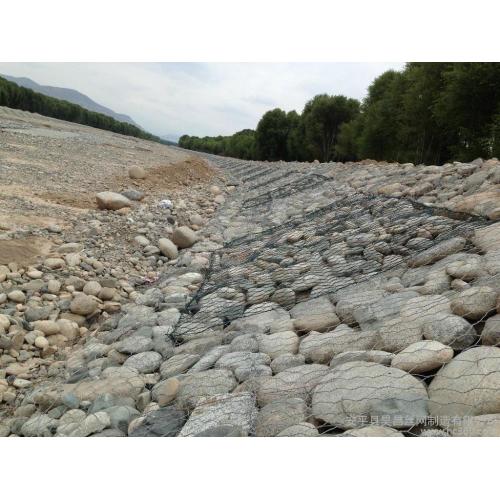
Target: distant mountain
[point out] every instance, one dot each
(69, 95)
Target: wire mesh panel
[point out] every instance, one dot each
(323, 310)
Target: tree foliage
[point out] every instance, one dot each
(285, 136)
(239, 145)
(17, 97)
(323, 116)
(426, 113)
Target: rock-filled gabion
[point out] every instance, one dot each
(336, 300)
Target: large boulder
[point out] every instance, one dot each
(276, 344)
(468, 385)
(478, 426)
(314, 314)
(425, 308)
(112, 201)
(259, 318)
(450, 330)
(144, 362)
(352, 393)
(437, 252)
(124, 383)
(491, 331)
(203, 384)
(474, 303)
(350, 302)
(321, 347)
(285, 361)
(488, 238)
(168, 248)
(278, 415)
(165, 422)
(235, 410)
(296, 382)
(83, 305)
(422, 357)
(184, 237)
(373, 315)
(245, 365)
(177, 364)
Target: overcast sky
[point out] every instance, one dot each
(202, 98)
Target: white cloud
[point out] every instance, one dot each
(202, 98)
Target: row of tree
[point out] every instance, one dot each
(15, 96)
(426, 113)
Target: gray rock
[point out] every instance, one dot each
(121, 416)
(397, 334)
(223, 431)
(450, 330)
(374, 356)
(286, 361)
(245, 364)
(259, 318)
(204, 384)
(294, 382)
(136, 317)
(304, 429)
(177, 364)
(246, 342)
(39, 426)
(208, 360)
(168, 248)
(152, 297)
(475, 302)
(112, 201)
(279, 415)
(437, 252)
(491, 331)
(165, 422)
(133, 194)
(351, 393)
(37, 313)
(422, 357)
(321, 347)
(107, 400)
(349, 302)
(467, 385)
(95, 422)
(83, 305)
(372, 431)
(279, 343)
(234, 410)
(184, 237)
(373, 315)
(321, 305)
(134, 344)
(144, 362)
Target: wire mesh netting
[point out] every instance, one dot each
(323, 311)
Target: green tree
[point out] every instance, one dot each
(271, 135)
(323, 115)
(467, 108)
(381, 132)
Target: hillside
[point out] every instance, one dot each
(69, 95)
(149, 291)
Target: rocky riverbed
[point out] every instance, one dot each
(193, 295)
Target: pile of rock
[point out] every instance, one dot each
(331, 310)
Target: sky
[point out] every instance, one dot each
(171, 99)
